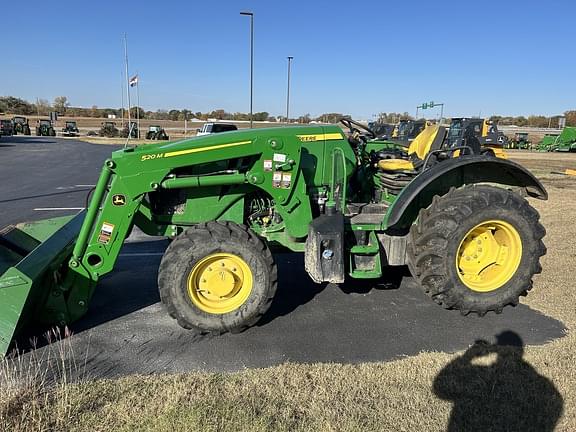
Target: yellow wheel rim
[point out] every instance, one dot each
(220, 283)
(489, 255)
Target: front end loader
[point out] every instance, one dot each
(354, 205)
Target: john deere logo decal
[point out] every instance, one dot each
(118, 200)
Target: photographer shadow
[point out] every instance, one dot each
(494, 389)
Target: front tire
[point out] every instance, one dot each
(217, 277)
(476, 249)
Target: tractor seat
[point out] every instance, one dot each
(431, 138)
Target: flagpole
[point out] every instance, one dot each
(127, 83)
(138, 102)
(122, 93)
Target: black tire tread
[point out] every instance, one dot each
(220, 232)
(427, 260)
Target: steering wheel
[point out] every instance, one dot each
(356, 127)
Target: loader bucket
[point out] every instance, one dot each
(30, 255)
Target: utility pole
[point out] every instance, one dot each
(127, 81)
(288, 92)
(122, 93)
(138, 103)
(251, 15)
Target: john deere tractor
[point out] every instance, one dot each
(352, 204)
(519, 141)
(108, 129)
(156, 133)
(44, 127)
(70, 129)
(21, 125)
(130, 129)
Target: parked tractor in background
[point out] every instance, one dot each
(6, 128)
(481, 135)
(44, 127)
(407, 130)
(382, 130)
(156, 133)
(108, 129)
(520, 141)
(70, 129)
(21, 125)
(130, 129)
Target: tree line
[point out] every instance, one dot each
(14, 105)
(539, 121)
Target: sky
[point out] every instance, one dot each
(360, 58)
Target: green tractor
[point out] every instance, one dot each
(70, 129)
(108, 129)
(21, 125)
(520, 141)
(130, 129)
(156, 133)
(355, 206)
(44, 127)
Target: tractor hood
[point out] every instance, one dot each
(228, 139)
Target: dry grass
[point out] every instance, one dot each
(412, 394)
(37, 391)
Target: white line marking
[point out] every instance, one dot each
(57, 208)
(137, 254)
(75, 186)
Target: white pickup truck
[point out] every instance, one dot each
(211, 128)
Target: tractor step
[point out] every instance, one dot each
(364, 208)
(369, 249)
(365, 260)
(366, 274)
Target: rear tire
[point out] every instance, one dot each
(437, 250)
(190, 293)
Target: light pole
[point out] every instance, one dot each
(251, 15)
(288, 92)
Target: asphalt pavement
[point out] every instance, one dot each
(127, 330)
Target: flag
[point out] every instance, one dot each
(133, 81)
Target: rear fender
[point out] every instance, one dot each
(457, 172)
